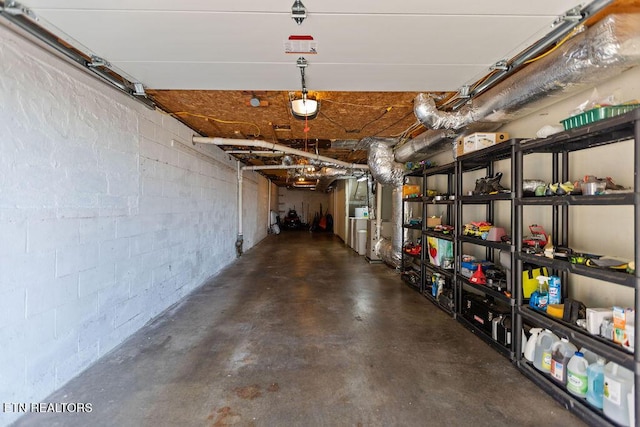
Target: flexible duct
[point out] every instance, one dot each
(424, 145)
(386, 171)
(605, 50)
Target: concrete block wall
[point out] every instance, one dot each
(108, 216)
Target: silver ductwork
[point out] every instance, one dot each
(387, 171)
(382, 165)
(603, 51)
(424, 145)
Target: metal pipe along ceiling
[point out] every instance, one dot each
(276, 147)
(607, 49)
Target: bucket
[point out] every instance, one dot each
(577, 375)
(542, 353)
(561, 353)
(618, 383)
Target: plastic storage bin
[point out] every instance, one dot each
(596, 114)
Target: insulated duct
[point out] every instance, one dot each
(386, 171)
(607, 49)
(424, 145)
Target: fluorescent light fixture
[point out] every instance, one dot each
(363, 178)
(304, 108)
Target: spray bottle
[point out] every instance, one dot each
(540, 298)
(555, 290)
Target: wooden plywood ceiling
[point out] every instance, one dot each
(202, 61)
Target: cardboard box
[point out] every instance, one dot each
(478, 141)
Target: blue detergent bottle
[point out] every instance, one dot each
(555, 290)
(595, 380)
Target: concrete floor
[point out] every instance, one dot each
(301, 331)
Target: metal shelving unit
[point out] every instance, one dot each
(559, 146)
(484, 159)
(428, 269)
(411, 265)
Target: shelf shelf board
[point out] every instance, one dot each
(432, 201)
(607, 275)
(486, 198)
(414, 172)
(599, 133)
(435, 269)
(580, 338)
(481, 158)
(438, 234)
(590, 415)
(411, 255)
(412, 227)
(414, 199)
(437, 304)
(440, 170)
(601, 200)
(505, 351)
(486, 243)
(486, 290)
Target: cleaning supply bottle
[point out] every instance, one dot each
(540, 298)
(530, 347)
(577, 375)
(561, 353)
(618, 382)
(542, 354)
(555, 290)
(595, 380)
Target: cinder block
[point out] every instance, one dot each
(13, 236)
(97, 229)
(123, 185)
(40, 298)
(151, 186)
(91, 331)
(92, 280)
(162, 274)
(126, 143)
(83, 185)
(17, 271)
(117, 162)
(47, 235)
(73, 259)
(115, 250)
(147, 128)
(72, 314)
(150, 149)
(142, 244)
(12, 307)
(39, 333)
(112, 297)
(128, 310)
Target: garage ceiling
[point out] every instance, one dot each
(203, 60)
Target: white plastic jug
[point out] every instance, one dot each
(577, 381)
(561, 353)
(542, 354)
(595, 378)
(530, 347)
(618, 382)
